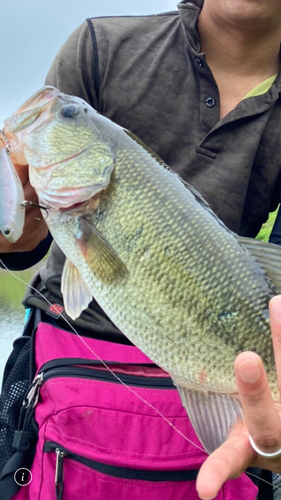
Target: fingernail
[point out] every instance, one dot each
(250, 371)
(206, 498)
(275, 308)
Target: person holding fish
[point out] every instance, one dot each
(200, 87)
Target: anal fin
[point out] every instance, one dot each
(212, 414)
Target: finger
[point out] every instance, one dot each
(22, 171)
(227, 462)
(275, 322)
(37, 232)
(35, 228)
(260, 414)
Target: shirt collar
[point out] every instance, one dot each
(189, 13)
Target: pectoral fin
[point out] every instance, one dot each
(212, 415)
(76, 294)
(102, 259)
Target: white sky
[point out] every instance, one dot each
(32, 31)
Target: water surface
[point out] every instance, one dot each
(12, 312)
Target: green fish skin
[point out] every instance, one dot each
(182, 287)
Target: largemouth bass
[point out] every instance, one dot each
(181, 286)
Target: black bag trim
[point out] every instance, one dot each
(124, 472)
(18, 460)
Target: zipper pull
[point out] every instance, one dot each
(33, 394)
(59, 473)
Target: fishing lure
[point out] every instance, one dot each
(12, 213)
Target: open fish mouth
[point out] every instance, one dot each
(63, 200)
(40, 98)
(91, 204)
(75, 206)
(29, 113)
(71, 199)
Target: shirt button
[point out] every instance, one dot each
(210, 102)
(199, 62)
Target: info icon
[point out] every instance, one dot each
(23, 476)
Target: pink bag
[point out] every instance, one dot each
(97, 439)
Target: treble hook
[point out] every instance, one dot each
(5, 141)
(28, 203)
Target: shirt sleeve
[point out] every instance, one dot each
(75, 67)
(18, 261)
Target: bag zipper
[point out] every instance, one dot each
(33, 393)
(59, 473)
(77, 367)
(110, 470)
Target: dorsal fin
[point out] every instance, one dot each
(199, 198)
(268, 257)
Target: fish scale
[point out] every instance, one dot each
(182, 287)
(182, 305)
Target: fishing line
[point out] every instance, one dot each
(104, 364)
(121, 381)
(277, 488)
(5, 141)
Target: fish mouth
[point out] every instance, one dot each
(42, 97)
(65, 200)
(31, 110)
(89, 205)
(75, 206)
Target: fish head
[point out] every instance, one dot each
(57, 136)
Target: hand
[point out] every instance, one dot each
(262, 420)
(34, 230)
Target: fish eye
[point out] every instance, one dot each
(69, 111)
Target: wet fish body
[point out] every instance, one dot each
(12, 213)
(182, 287)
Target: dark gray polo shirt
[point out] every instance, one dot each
(148, 74)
